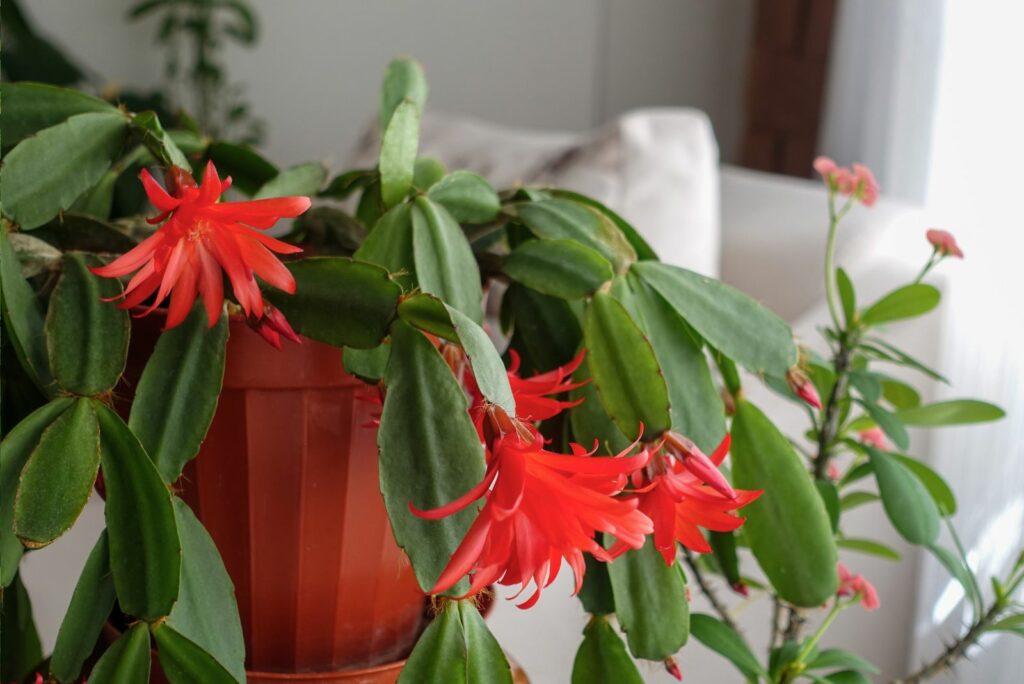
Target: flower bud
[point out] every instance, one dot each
(803, 388)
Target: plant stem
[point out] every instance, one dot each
(706, 589)
(830, 414)
(954, 651)
(830, 256)
(796, 667)
(776, 615)
(794, 625)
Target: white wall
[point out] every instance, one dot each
(570, 64)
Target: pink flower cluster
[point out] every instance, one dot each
(857, 181)
(944, 243)
(856, 585)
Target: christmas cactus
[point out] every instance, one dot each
(549, 391)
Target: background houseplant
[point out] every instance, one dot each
(578, 273)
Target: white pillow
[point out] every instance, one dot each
(658, 168)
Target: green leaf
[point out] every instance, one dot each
(867, 385)
(845, 677)
(722, 639)
(23, 318)
(76, 232)
(729, 320)
(429, 452)
(457, 648)
(908, 504)
(15, 450)
(427, 172)
(837, 657)
(562, 268)
(467, 197)
(959, 570)
(99, 199)
(639, 245)
(86, 337)
(590, 423)
(328, 231)
(302, 180)
(177, 395)
(58, 477)
(933, 482)
(45, 173)
(145, 550)
(602, 657)
(1014, 623)
(157, 141)
(339, 301)
(367, 364)
(559, 219)
(650, 601)
(390, 245)
(398, 148)
(890, 423)
(126, 661)
(445, 265)
(403, 81)
(248, 170)
(830, 497)
(596, 592)
(852, 500)
(31, 107)
(846, 296)
(905, 302)
(696, 404)
(787, 526)
(429, 313)
(344, 184)
(886, 352)
(90, 607)
(900, 394)
(545, 330)
(206, 613)
(952, 412)
(723, 545)
(19, 640)
(869, 547)
(183, 662)
(625, 370)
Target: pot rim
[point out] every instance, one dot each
(314, 676)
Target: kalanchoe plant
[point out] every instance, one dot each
(586, 443)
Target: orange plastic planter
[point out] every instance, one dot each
(287, 485)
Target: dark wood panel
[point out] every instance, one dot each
(785, 88)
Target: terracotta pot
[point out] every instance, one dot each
(287, 485)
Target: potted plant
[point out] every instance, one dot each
(356, 434)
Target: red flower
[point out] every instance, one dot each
(543, 507)
(856, 585)
(201, 238)
(944, 243)
(272, 325)
(680, 502)
(532, 394)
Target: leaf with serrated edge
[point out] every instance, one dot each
(58, 477)
(429, 452)
(178, 392)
